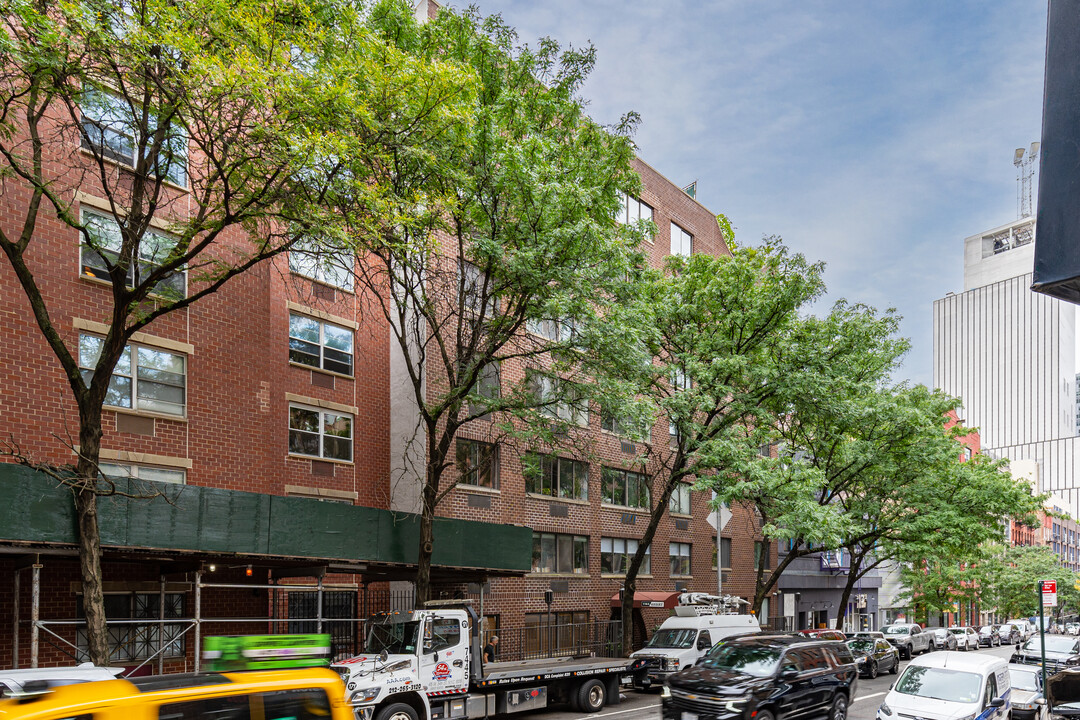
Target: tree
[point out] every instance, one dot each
(202, 130)
(1009, 577)
(493, 248)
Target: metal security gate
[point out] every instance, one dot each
(340, 604)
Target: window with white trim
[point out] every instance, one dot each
(680, 499)
(324, 265)
(572, 407)
(487, 390)
(557, 553)
(679, 553)
(478, 463)
(320, 344)
(623, 426)
(634, 210)
(615, 554)
(319, 433)
(626, 488)
(144, 378)
(103, 251)
(555, 476)
(682, 242)
(109, 128)
(725, 553)
(143, 472)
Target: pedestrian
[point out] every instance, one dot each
(489, 649)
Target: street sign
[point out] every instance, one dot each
(1048, 588)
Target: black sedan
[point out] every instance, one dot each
(874, 655)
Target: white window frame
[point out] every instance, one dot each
(325, 266)
(573, 540)
(680, 553)
(635, 210)
(322, 346)
(132, 350)
(623, 548)
(640, 478)
(572, 411)
(559, 488)
(682, 242)
(322, 435)
(680, 499)
(138, 471)
(112, 241)
(476, 449)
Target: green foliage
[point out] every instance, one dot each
(1007, 577)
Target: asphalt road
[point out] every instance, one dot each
(646, 706)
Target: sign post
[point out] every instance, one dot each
(1047, 597)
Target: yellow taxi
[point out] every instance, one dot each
(300, 694)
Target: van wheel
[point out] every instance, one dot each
(839, 707)
(397, 711)
(591, 696)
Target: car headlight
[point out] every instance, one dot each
(365, 696)
(885, 709)
(736, 704)
(1023, 706)
(665, 692)
(861, 660)
(671, 664)
(968, 717)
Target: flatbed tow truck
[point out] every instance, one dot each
(427, 665)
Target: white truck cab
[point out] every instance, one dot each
(685, 637)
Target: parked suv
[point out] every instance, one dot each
(908, 638)
(764, 677)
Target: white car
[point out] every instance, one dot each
(966, 638)
(13, 682)
(950, 686)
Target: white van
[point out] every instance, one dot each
(12, 682)
(684, 638)
(1026, 628)
(950, 685)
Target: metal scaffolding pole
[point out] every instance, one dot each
(161, 628)
(35, 609)
(198, 618)
(318, 624)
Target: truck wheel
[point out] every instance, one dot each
(905, 652)
(591, 696)
(397, 711)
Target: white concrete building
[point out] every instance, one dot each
(1009, 355)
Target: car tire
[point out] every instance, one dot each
(591, 696)
(873, 671)
(895, 666)
(906, 652)
(397, 711)
(839, 708)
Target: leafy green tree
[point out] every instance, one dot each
(202, 128)
(492, 249)
(1010, 576)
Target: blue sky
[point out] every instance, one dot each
(874, 136)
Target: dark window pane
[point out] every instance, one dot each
(303, 443)
(303, 419)
(338, 448)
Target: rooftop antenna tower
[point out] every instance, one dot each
(1025, 174)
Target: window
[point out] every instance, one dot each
(761, 556)
(324, 265)
(633, 211)
(320, 433)
(136, 641)
(478, 463)
(320, 344)
(486, 391)
(560, 553)
(441, 633)
(615, 554)
(477, 290)
(568, 404)
(308, 704)
(103, 252)
(681, 241)
(626, 488)
(623, 427)
(143, 472)
(680, 558)
(680, 500)
(555, 476)
(108, 124)
(725, 553)
(143, 379)
(564, 330)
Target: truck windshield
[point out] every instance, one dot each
(394, 638)
(753, 660)
(896, 630)
(673, 638)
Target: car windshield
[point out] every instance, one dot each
(940, 684)
(673, 638)
(753, 660)
(986, 629)
(865, 646)
(1054, 643)
(896, 630)
(1022, 680)
(1005, 628)
(395, 638)
(958, 631)
(941, 632)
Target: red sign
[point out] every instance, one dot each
(1049, 586)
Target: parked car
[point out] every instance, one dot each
(685, 637)
(966, 638)
(1009, 634)
(12, 681)
(823, 634)
(1027, 693)
(1072, 628)
(941, 639)
(989, 637)
(874, 655)
(948, 685)
(1062, 652)
(867, 634)
(765, 677)
(907, 638)
(1025, 627)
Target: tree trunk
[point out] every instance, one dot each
(627, 613)
(90, 538)
(427, 545)
(845, 596)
